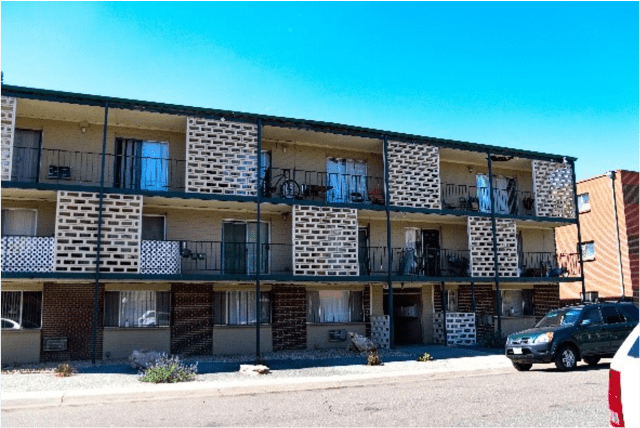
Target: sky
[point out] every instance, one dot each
(554, 77)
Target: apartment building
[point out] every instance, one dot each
(129, 224)
(608, 210)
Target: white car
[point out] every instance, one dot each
(10, 324)
(624, 387)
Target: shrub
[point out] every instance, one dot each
(64, 370)
(168, 369)
(374, 359)
(425, 357)
(494, 340)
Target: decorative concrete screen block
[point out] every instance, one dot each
(160, 257)
(8, 130)
(77, 232)
(461, 328)
(325, 241)
(480, 235)
(553, 187)
(414, 175)
(27, 254)
(380, 331)
(222, 157)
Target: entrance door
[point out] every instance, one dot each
(431, 252)
(240, 249)
(363, 251)
(407, 315)
(25, 165)
(141, 164)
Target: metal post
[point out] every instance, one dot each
(473, 297)
(96, 290)
(575, 205)
(612, 176)
(390, 255)
(443, 300)
(259, 246)
(495, 246)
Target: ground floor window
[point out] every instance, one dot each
(517, 303)
(239, 308)
(21, 309)
(330, 306)
(133, 308)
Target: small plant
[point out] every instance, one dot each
(64, 370)
(425, 357)
(374, 359)
(494, 340)
(168, 369)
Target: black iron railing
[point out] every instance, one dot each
(471, 198)
(547, 264)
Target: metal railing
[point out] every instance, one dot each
(292, 183)
(430, 262)
(547, 264)
(462, 197)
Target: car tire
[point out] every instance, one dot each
(592, 361)
(566, 358)
(522, 367)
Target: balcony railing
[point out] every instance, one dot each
(435, 263)
(546, 264)
(471, 198)
(27, 254)
(84, 168)
(322, 186)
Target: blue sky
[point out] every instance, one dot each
(554, 77)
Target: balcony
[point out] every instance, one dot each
(296, 184)
(432, 263)
(545, 264)
(27, 254)
(462, 197)
(84, 169)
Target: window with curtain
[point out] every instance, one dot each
(584, 203)
(21, 309)
(517, 303)
(588, 251)
(141, 164)
(239, 308)
(335, 306)
(137, 308)
(19, 222)
(347, 179)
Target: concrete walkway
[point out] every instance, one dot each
(108, 383)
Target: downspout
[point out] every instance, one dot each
(259, 245)
(612, 176)
(495, 246)
(575, 207)
(96, 290)
(390, 255)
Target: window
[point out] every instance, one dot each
(239, 247)
(329, 306)
(141, 164)
(611, 315)
(588, 251)
(517, 303)
(584, 204)
(451, 297)
(137, 308)
(239, 308)
(347, 180)
(21, 309)
(153, 228)
(19, 222)
(593, 316)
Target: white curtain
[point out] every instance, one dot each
(18, 223)
(137, 308)
(501, 195)
(333, 306)
(241, 307)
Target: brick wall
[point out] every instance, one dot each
(485, 306)
(289, 327)
(480, 233)
(545, 298)
(629, 181)
(414, 175)
(67, 311)
(192, 319)
(367, 309)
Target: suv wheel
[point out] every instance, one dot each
(566, 358)
(522, 367)
(592, 361)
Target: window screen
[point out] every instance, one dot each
(18, 223)
(152, 228)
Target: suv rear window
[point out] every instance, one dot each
(630, 311)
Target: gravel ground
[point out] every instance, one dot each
(118, 374)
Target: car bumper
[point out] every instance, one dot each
(527, 354)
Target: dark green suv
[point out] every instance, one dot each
(588, 331)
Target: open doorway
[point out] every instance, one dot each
(407, 315)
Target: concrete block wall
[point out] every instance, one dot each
(325, 241)
(380, 331)
(553, 187)
(289, 326)
(480, 232)
(8, 112)
(222, 157)
(77, 232)
(67, 311)
(461, 328)
(414, 175)
(192, 319)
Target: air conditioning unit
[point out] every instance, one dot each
(337, 335)
(54, 344)
(590, 296)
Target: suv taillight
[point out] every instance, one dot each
(615, 401)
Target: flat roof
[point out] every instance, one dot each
(99, 100)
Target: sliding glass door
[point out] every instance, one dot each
(141, 165)
(240, 247)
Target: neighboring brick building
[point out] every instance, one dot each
(600, 237)
(129, 224)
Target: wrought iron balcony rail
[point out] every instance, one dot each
(471, 198)
(429, 262)
(546, 264)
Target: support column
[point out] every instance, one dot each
(259, 246)
(495, 246)
(575, 204)
(389, 247)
